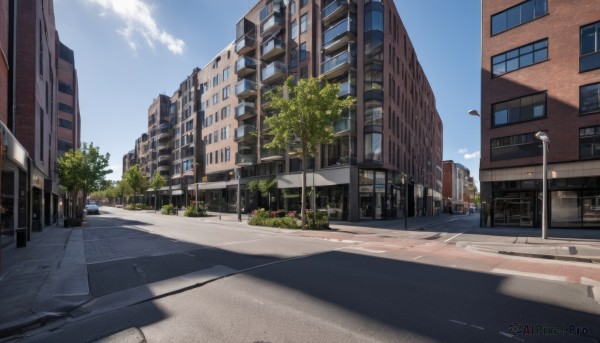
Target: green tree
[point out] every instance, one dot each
(305, 114)
(158, 181)
(83, 170)
(135, 180)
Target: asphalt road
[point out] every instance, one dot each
(289, 288)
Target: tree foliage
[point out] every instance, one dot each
(135, 180)
(158, 181)
(84, 170)
(305, 114)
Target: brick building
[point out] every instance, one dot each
(540, 72)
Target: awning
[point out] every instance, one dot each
(177, 192)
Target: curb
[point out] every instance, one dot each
(586, 259)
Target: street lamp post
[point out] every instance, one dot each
(481, 217)
(196, 184)
(543, 136)
(238, 174)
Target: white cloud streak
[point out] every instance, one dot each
(463, 151)
(139, 21)
(476, 154)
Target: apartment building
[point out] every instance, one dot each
(386, 160)
(540, 73)
(457, 184)
(38, 113)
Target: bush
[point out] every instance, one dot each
(168, 209)
(138, 206)
(279, 219)
(322, 220)
(191, 211)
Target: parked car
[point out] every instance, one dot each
(92, 208)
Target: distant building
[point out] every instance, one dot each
(457, 181)
(540, 72)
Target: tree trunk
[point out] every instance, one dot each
(303, 197)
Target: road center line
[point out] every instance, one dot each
(449, 239)
(418, 257)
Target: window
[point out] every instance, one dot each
(520, 57)
(226, 73)
(189, 126)
(374, 113)
(304, 23)
(590, 47)
(64, 145)
(293, 7)
(294, 30)
(65, 87)
(226, 92)
(227, 154)
(373, 147)
(216, 156)
(303, 51)
(518, 110)
(65, 108)
(589, 98)
(216, 136)
(65, 123)
(215, 98)
(517, 15)
(303, 3)
(225, 112)
(589, 142)
(519, 146)
(215, 80)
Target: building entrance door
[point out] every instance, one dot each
(513, 212)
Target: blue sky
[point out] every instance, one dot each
(129, 51)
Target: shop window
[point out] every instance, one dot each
(589, 142)
(589, 98)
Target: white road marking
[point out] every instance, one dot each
(505, 334)
(367, 250)
(477, 327)
(451, 238)
(534, 275)
(418, 257)
(457, 322)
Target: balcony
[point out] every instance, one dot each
(164, 151)
(245, 110)
(267, 155)
(246, 43)
(163, 169)
(334, 10)
(245, 159)
(245, 88)
(245, 133)
(164, 160)
(273, 22)
(273, 72)
(347, 89)
(336, 65)
(162, 144)
(339, 35)
(271, 49)
(344, 127)
(245, 66)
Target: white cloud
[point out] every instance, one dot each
(463, 151)
(138, 19)
(476, 154)
(117, 172)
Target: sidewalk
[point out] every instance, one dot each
(48, 279)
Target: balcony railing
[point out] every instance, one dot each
(336, 65)
(245, 159)
(244, 132)
(245, 110)
(245, 65)
(246, 43)
(339, 35)
(347, 88)
(273, 71)
(272, 49)
(334, 10)
(272, 23)
(245, 88)
(271, 154)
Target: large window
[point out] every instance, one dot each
(65, 123)
(294, 30)
(65, 108)
(589, 142)
(304, 23)
(519, 146)
(303, 51)
(374, 113)
(373, 147)
(520, 57)
(590, 47)
(519, 14)
(589, 98)
(519, 110)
